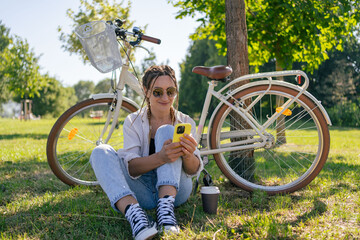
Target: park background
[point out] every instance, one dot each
(34, 204)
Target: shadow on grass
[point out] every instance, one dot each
(24, 135)
(57, 211)
(35, 204)
(319, 208)
(26, 177)
(275, 216)
(337, 170)
(75, 213)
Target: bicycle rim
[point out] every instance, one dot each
(76, 133)
(298, 144)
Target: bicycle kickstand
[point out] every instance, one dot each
(207, 180)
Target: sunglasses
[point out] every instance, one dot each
(159, 92)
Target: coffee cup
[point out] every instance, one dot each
(210, 197)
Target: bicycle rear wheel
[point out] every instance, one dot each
(293, 156)
(76, 133)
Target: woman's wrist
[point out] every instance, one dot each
(191, 164)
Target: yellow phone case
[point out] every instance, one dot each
(180, 130)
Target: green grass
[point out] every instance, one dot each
(34, 204)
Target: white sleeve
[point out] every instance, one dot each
(132, 144)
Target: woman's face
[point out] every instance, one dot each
(162, 94)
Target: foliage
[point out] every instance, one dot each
(92, 10)
(288, 31)
(338, 78)
(22, 70)
(54, 99)
(83, 90)
(193, 87)
(148, 61)
(103, 86)
(5, 41)
(21, 78)
(345, 114)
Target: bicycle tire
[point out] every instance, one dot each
(76, 133)
(278, 168)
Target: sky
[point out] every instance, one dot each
(37, 22)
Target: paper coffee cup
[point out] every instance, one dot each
(210, 197)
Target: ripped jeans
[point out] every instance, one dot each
(114, 179)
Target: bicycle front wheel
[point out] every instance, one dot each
(76, 133)
(297, 144)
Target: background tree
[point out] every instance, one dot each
(83, 90)
(201, 53)
(92, 10)
(237, 58)
(53, 99)
(337, 84)
(338, 78)
(236, 37)
(281, 30)
(22, 72)
(5, 41)
(103, 86)
(285, 30)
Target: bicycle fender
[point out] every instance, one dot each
(112, 95)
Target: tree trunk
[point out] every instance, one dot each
(237, 58)
(236, 37)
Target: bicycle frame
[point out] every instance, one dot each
(125, 77)
(256, 128)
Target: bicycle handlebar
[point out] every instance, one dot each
(150, 39)
(122, 33)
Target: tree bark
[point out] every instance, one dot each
(236, 37)
(237, 58)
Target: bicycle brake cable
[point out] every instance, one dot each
(129, 59)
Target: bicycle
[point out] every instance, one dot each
(243, 131)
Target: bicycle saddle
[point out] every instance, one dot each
(214, 73)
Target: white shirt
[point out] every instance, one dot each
(136, 137)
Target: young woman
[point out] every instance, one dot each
(150, 171)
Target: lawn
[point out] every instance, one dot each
(34, 204)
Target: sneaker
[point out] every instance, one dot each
(165, 215)
(142, 227)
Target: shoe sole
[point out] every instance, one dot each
(147, 234)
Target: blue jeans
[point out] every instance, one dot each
(114, 179)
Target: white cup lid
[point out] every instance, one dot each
(209, 190)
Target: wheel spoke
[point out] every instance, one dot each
(71, 156)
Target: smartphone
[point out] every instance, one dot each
(180, 130)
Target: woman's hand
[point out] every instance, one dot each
(170, 151)
(189, 145)
(190, 162)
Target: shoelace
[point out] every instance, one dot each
(137, 218)
(165, 212)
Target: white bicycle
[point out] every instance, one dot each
(268, 134)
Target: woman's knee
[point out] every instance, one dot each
(165, 131)
(101, 152)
